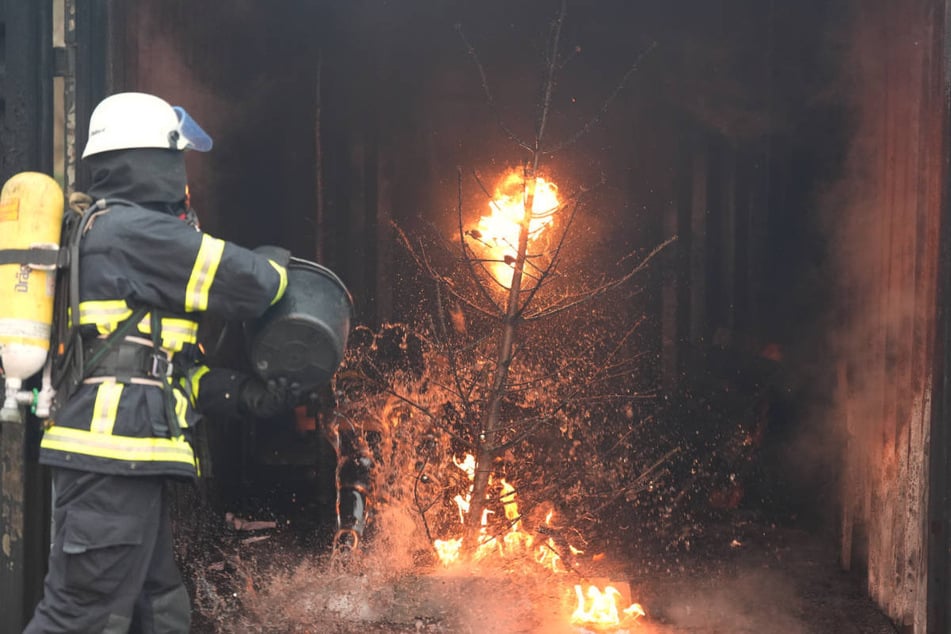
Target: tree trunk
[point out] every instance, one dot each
(487, 441)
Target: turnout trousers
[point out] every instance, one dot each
(111, 567)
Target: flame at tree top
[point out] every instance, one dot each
(496, 235)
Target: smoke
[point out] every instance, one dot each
(879, 323)
(389, 584)
(750, 600)
(313, 598)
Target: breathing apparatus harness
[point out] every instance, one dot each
(125, 359)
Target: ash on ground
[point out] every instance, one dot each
(281, 584)
(747, 576)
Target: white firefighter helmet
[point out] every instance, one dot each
(137, 120)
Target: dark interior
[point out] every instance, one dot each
(735, 107)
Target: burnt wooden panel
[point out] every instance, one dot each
(887, 256)
(936, 104)
(26, 143)
(24, 523)
(26, 85)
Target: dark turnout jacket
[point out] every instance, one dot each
(139, 253)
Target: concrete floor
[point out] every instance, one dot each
(771, 580)
(743, 577)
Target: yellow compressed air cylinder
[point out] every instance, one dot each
(31, 216)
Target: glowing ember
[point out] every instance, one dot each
(497, 233)
(600, 608)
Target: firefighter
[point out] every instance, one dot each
(130, 424)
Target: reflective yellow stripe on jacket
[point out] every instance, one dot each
(192, 382)
(106, 315)
(175, 332)
(203, 273)
(127, 448)
(283, 285)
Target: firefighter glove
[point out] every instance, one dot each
(265, 399)
(277, 254)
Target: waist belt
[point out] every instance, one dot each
(131, 358)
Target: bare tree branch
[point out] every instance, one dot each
(633, 486)
(529, 429)
(587, 382)
(423, 263)
(453, 366)
(549, 86)
(488, 93)
(425, 412)
(601, 290)
(422, 512)
(553, 265)
(604, 106)
(637, 396)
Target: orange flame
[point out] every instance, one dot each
(600, 609)
(596, 608)
(497, 234)
(515, 541)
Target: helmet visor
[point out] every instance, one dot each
(191, 133)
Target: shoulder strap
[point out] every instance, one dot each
(171, 418)
(34, 255)
(66, 345)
